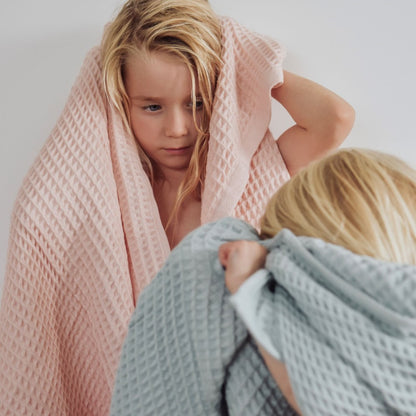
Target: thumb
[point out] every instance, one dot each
(225, 253)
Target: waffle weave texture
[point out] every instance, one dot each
(186, 352)
(86, 236)
(344, 324)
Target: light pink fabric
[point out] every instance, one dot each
(86, 236)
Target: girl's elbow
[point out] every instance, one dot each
(347, 115)
(343, 121)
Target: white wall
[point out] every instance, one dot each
(363, 50)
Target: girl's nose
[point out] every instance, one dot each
(177, 123)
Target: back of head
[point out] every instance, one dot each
(360, 199)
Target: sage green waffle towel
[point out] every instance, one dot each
(344, 325)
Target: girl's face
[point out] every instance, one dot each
(159, 86)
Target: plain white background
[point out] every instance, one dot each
(361, 49)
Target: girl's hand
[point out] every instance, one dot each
(241, 259)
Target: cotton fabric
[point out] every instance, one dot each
(86, 236)
(187, 352)
(343, 324)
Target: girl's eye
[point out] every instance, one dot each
(152, 108)
(198, 104)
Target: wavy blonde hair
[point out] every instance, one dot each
(188, 29)
(360, 199)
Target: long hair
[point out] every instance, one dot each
(360, 199)
(188, 29)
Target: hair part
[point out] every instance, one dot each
(188, 29)
(360, 199)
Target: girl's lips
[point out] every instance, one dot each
(178, 150)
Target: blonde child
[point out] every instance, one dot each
(166, 128)
(161, 63)
(363, 201)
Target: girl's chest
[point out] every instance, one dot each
(186, 219)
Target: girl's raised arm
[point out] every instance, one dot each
(323, 120)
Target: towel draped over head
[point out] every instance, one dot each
(86, 236)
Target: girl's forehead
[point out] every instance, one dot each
(155, 73)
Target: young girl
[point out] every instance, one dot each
(166, 128)
(365, 202)
(332, 309)
(161, 63)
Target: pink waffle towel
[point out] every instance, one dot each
(86, 236)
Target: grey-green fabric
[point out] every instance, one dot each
(343, 324)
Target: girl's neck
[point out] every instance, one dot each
(188, 217)
(168, 180)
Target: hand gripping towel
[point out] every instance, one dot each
(186, 352)
(343, 324)
(86, 236)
